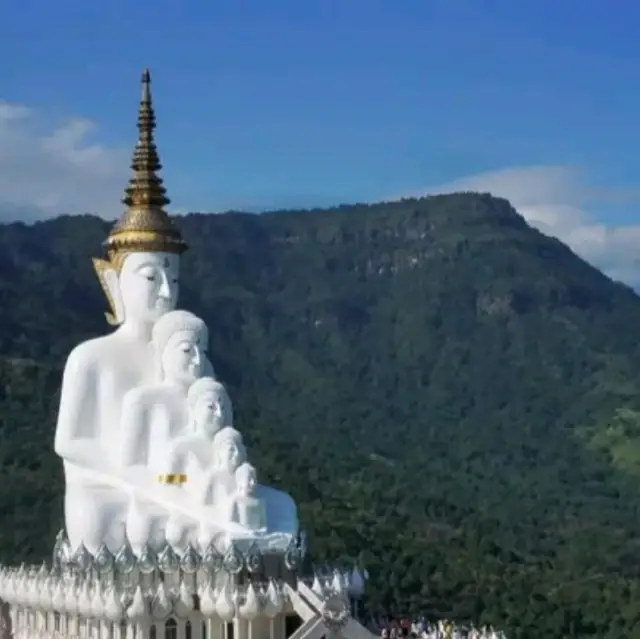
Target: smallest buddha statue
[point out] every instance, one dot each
(219, 482)
(245, 508)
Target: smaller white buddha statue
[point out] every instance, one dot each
(244, 507)
(152, 416)
(209, 410)
(220, 482)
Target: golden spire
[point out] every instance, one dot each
(145, 226)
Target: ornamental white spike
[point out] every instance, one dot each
(112, 605)
(184, 602)
(274, 601)
(97, 603)
(336, 583)
(317, 588)
(161, 606)
(71, 599)
(207, 597)
(137, 611)
(58, 598)
(84, 600)
(225, 606)
(250, 607)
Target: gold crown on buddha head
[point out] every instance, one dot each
(145, 227)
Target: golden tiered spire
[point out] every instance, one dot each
(145, 226)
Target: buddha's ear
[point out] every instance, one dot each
(110, 283)
(113, 282)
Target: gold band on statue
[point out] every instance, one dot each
(173, 479)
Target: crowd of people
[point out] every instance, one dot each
(423, 629)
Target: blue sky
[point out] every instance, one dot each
(263, 104)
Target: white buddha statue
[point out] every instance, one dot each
(153, 415)
(228, 453)
(244, 511)
(217, 484)
(140, 279)
(209, 409)
(244, 507)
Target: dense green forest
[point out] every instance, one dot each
(449, 394)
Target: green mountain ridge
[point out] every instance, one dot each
(448, 393)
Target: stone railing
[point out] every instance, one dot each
(87, 596)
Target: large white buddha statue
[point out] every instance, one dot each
(153, 359)
(140, 280)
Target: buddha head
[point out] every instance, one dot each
(140, 276)
(228, 450)
(140, 286)
(209, 406)
(246, 479)
(179, 340)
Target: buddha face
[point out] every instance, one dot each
(182, 357)
(246, 481)
(229, 457)
(208, 414)
(148, 285)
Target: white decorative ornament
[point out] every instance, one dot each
(84, 604)
(160, 606)
(225, 606)
(137, 611)
(250, 608)
(112, 605)
(207, 601)
(97, 604)
(274, 601)
(184, 602)
(71, 599)
(172, 468)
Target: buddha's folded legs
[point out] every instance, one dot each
(95, 515)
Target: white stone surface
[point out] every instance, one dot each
(141, 402)
(44, 604)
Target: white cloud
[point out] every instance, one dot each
(556, 200)
(48, 168)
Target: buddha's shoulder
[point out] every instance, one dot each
(91, 353)
(147, 393)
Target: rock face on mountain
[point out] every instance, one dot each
(457, 392)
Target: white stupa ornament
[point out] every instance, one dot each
(137, 611)
(184, 602)
(273, 601)
(317, 587)
(250, 608)
(160, 606)
(225, 605)
(207, 597)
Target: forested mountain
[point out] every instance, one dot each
(448, 394)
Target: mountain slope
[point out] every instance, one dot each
(431, 379)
